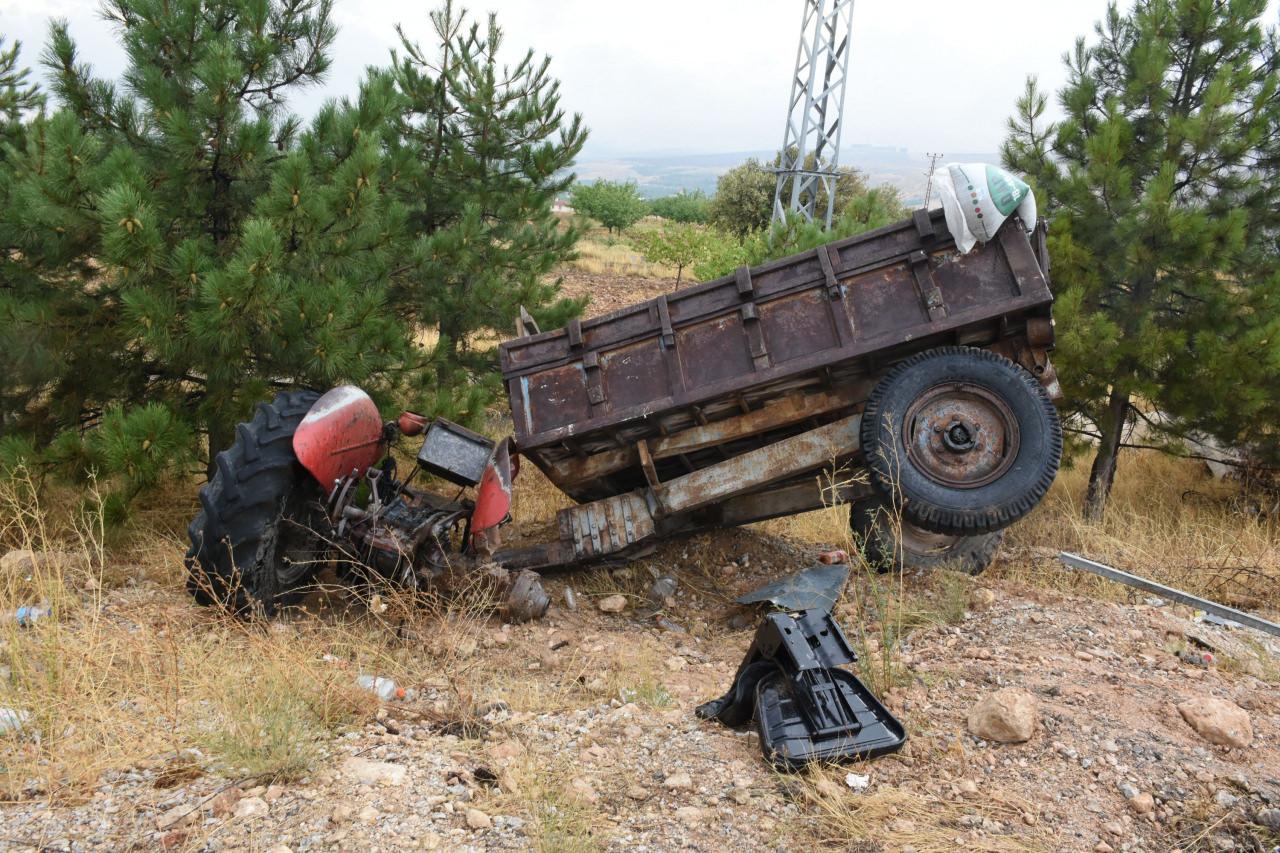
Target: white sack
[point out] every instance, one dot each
(977, 199)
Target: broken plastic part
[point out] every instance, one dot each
(814, 589)
(806, 709)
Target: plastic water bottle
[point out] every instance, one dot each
(385, 688)
(30, 615)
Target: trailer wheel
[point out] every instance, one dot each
(254, 541)
(965, 440)
(889, 546)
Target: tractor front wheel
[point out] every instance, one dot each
(259, 534)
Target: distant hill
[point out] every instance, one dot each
(663, 173)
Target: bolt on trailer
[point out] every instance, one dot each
(750, 397)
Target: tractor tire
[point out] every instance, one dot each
(919, 549)
(964, 440)
(255, 542)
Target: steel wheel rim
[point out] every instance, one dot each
(960, 435)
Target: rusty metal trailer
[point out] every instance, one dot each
(724, 403)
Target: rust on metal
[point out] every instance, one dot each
(961, 434)
(761, 467)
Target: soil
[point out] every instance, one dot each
(618, 761)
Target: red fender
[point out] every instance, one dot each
(341, 433)
(493, 498)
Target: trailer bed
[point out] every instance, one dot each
(675, 384)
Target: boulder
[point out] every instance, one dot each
(1218, 721)
(1006, 716)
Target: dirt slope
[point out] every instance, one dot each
(585, 737)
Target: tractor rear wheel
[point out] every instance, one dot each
(896, 545)
(259, 534)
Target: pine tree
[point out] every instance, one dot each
(480, 152)
(183, 246)
(1163, 221)
(17, 98)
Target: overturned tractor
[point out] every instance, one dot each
(890, 371)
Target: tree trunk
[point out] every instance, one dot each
(1103, 474)
(221, 436)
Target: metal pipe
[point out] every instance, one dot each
(1075, 561)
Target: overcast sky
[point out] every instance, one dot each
(711, 75)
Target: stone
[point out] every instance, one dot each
(1225, 799)
(675, 663)
(967, 787)
(225, 802)
(982, 597)
(690, 815)
(341, 813)
(1103, 847)
(1270, 818)
(273, 793)
(1143, 803)
(1006, 716)
(678, 782)
(374, 772)
(251, 807)
(1218, 721)
(180, 815)
(505, 750)
(583, 790)
(637, 792)
(612, 604)
(368, 814)
(280, 848)
(478, 820)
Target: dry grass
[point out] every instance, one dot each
(602, 253)
(928, 824)
(1167, 520)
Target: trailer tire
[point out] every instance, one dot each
(964, 439)
(260, 508)
(919, 549)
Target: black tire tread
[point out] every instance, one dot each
(939, 519)
(875, 536)
(239, 507)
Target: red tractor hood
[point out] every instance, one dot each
(341, 434)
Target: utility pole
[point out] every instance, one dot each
(928, 188)
(811, 143)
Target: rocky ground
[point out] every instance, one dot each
(1038, 720)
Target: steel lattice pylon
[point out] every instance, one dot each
(811, 145)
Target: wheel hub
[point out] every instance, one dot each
(960, 435)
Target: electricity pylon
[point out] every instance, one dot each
(811, 144)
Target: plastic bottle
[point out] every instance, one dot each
(384, 687)
(28, 616)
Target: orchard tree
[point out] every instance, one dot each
(684, 206)
(616, 205)
(479, 151)
(1161, 189)
(743, 202)
(676, 244)
(179, 246)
